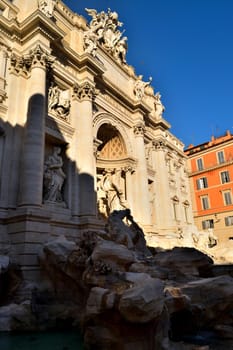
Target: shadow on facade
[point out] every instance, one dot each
(42, 191)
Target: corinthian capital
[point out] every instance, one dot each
(19, 65)
(38, 57)
(84, 92)
(159, 144)
(139, 129)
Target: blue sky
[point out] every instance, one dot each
(187, 48)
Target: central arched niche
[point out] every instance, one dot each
(112, 144)
(111, 163)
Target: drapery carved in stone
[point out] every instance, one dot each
(158, 106)
(139, 87)
(54, 178)
(84, 92)
(104, 31)
(90, 43)
(59, 102)
(47, 7)
(110, 191)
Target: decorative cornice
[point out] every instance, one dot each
(211, 168)
(126, 164)
(34, 23)
(58, 128)
(113, 89)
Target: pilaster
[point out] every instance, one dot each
(84, 201)
(163, 206)
(142, 206)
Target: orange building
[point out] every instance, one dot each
(211, 177)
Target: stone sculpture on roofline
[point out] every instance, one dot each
(139, 87)
(103, 30)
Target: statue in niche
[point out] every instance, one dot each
(139, 87)
(110, 193)
(54, 177)
(159, 107)
(47, 7)
(59, 102)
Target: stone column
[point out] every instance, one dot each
(142, 205)
(33, 151)
(85, 197)
(17, 80)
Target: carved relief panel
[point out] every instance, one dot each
(59, 102)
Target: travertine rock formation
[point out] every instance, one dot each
(124, 295)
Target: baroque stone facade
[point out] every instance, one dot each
(81, 134)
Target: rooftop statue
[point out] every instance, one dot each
(104, 31)
(47, 7)
(120, 50)
(159, 107)
(139, 87)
